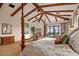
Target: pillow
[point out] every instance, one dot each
(65, 39)
(58, 40)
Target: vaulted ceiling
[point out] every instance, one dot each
(36, 12)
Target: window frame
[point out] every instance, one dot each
(54, 31)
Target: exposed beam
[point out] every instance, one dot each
(60, 11)
(65, 15)
(30, 12)
(41, 10)
(18, 9)
(57, 16)
(37, 6)
(34, 16)
(35, 20)
(1, 5)
(40, 18)
(47, 17)
(50, 5)
(58, 4)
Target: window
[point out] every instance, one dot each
(56, 29)
(26, 28)
(50, 29)
(53, 30)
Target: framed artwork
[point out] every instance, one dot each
(6, 28)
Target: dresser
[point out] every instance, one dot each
(6, 40)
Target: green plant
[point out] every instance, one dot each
(64, 39)
(33, 30)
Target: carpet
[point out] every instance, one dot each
(10, 49)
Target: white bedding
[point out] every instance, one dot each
(46, 47)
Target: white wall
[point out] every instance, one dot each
(15, 21)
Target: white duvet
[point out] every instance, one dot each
(47, 47)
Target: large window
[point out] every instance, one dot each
(53, 30)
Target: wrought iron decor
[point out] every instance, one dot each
(6, 28)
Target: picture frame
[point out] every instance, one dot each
(6, 28)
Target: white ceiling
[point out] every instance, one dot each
(30, 6)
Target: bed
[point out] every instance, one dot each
(47, 47)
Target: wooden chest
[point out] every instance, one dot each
(7, 40)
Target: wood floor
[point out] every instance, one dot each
(10, 50)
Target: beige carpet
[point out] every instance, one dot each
(10, 50)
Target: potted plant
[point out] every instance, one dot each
(35, 37)
(33, 30)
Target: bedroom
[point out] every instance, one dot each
(41, 21)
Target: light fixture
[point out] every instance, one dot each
(11, 5)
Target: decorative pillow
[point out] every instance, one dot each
(58, 40)
(74, 41)
(65, 39)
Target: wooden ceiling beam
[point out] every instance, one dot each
(34, 16)
(60, 11)
(65, 15)
(58, 16)
(41, 10)
(38, 7)
(18, 9)
(49, 5)
(1, 5)
(58, 4)
(40, 18)
(35, 20)
(47, 17)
